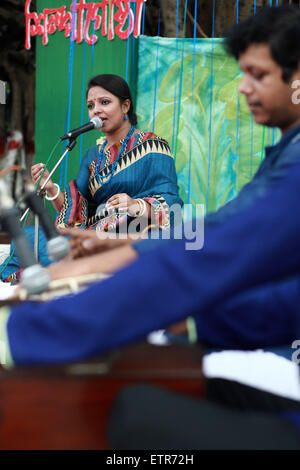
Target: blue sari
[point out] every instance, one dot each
(145, 170)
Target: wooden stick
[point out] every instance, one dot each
(199, 29)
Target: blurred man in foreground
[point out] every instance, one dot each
(257, 244)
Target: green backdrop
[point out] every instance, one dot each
(186, 91)
(60, 89)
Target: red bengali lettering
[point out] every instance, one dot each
(97, 23)
(31, 29)
(87, 16)
(65, 23)
(52, 24)
(105, 4)
(80, 8)
(27, 24)
(138, 17)
(93, 16)
(92, 9)
(37, 29)
(123, 15)
(111, 33)
(54, 20)
(51, 20)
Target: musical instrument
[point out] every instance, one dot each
(67, 406)
(57, 288)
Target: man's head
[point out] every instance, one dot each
(267, 47)
(279, 27)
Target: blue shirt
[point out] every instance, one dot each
(276, 164)
(254, 246)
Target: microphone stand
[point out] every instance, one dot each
(34, 277)
(70, 146)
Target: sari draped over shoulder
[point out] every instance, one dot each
(145, 170)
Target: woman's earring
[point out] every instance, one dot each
(125, 118)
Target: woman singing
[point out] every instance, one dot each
(128, 174)
(128, 177)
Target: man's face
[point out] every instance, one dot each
(269, 98)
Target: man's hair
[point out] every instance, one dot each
(277, 26)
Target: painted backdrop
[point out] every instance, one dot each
(187, 93)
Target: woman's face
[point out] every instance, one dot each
(106, 106)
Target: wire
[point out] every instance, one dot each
(211, 103)
(156, 70)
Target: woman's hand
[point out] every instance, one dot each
(123, 203)
(89, 242)
(36, 171)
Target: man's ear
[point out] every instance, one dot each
(296, 74)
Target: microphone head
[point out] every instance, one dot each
(35, 279)
(98, 123)
(58, 247)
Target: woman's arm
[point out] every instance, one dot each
(54, 194)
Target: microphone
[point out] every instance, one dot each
(34, 277)
(58, 247)
(95, 123)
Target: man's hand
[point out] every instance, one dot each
(178, 328)
(106, 263)
(89, 242)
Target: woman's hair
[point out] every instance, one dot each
(277, 26)
(118, 87)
